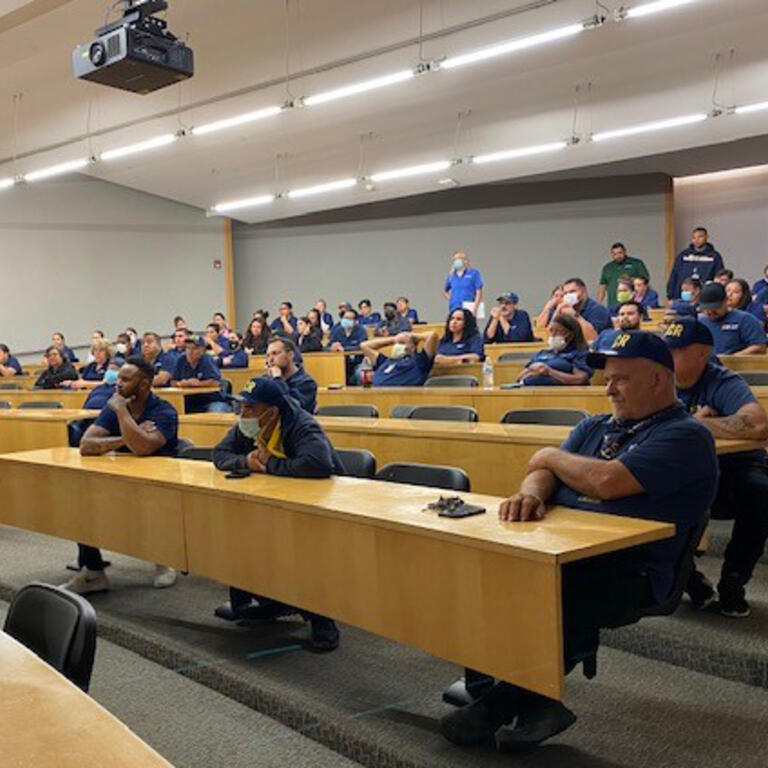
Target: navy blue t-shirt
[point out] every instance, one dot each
(277, 324)
(462, 287)
(604, 340)
(352, 341)
(519, 330)
(205, 370)
(93, 371)
(471, 346)
(593, 313)
(650, 300)
(158, 411)
(570, 360)
(12, 362)
(674, 460)
(98, 396)
(408, 371)
(734, 332)
(371, 319)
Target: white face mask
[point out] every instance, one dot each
(398, 351)
(571, 298)
(121, 349)
(557, 343)
(249, 427)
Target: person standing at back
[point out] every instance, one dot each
(620, 266)
(464, 285)
(699, 260)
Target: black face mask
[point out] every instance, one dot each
(389, 314)
(234, 345)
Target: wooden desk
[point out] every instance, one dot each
(47, 722)
(26, 430)
(745, 362)
(356, 550)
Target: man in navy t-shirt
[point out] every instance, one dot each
(133, 421)
(592, 316)
(152, 354)
(649, 459)
(507, 323)
(628, 318)
(404, 366)
(723, 402)
(195, 370)
(734, 332)
(9, 365)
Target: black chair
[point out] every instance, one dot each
(401, 411)
(41, 404)
(558, 417)
(451, 381)
(449, 478)
(514, 357)
(194, 452)
(357, 463)
(59, 626)
(444, 413)
(755, 378)
(5, 405)
(361, 411)
(10, 385)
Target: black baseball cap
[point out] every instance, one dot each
(685, 331)
(712, 296)
(634, 344)
(510, 297)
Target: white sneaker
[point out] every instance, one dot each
(86, 582)
(164, 577)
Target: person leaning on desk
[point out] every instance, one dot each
(274, 436)
(650, 459)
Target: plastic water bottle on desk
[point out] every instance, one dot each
(488, 373)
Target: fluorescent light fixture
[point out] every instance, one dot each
(512, 46)
(57, 170)
(747, 108)
(231, 122)
(512, 154)
(319, 189)
(648, 8)
(413, 170)
(236, 205)
(659, 125)
(5, 183)
(365, 85)
(142, 146)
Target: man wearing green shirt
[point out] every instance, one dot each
(619, 265)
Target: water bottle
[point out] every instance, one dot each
(488, 373)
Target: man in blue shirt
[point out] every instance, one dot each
(591, 316)
(761, 284)
(294, 381)
(152, 354)
(348, 334)
(393, 322)
(508, 324)
(649, 459)
(285, 322)
(197, 370)
(734, 332)
(133, 421)
(232, 354)
(699, 260)
(367, 315)
(644, 294)
(628, 319)
(405, 311)
(9, 365)
(723, 402)
(464, 285)
(404, 366)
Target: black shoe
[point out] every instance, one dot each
(731, 593)
(700, 590)
(471, 726)
(226, 612)
(542, 720)
(325, 635)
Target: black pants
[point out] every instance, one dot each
(239, 598)
(742, 496)
(90, 558)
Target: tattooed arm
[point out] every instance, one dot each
(748, 423)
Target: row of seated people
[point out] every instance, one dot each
(653, 457)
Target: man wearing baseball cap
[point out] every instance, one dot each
(734, 332)
(649, 459)
(274, 436)
(193, 370)
(723, 402)
(507, 323)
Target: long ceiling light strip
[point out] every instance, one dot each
(514, 154)
(320, 189)
(658, 125)
(57, 170)
(361, 87)
(233, 122)
(6, 183)
(749, 108)
(250, 202)
(648, 9)
(412, 170)
(142, 146)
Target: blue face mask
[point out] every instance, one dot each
(249, 427)
(110, 377)
(458, 264)
(347, 323)
(686, 295)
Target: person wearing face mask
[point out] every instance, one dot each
(507, 323)
(625, 292)
(565, 359)
(628, 318)
(464, 285)
(699, 260)
(348, 333)
(461, 342)
(294, 381)
(644, 294)
(134, 421)
(393, 322)
(404, 365)
(275, 436)
(591, 316)
(620, 268)
(690, 290)
(122, 346)
(735, 332)
(233, 355)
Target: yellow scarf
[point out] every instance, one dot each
(275, 444)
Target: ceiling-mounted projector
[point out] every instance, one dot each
(136, 53)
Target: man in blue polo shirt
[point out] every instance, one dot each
(723, 402)
(348, 333)
(9, 365)
(650, 459)
(699, 260)
(507, 323)
(734, 332)
(393, 322)
(367, 315)
(403, 366)
(196, 370)
(628, 318)
(592, 316)
(136, 421)
(152, 354)
(285, 322)
(464, 285)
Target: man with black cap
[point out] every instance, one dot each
(649, 459)
(723, 402)
(195, 370)
(507, 323)
(734, 332)
(274, 436)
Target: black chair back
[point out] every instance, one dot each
(514, 357)
(755, 378)
(4, 404)
(556, 417)
(59, 626)
(10, 385)
(451, 381)
(361, 411)
(401, 411)
(449, 478)
(444, 413)
(357, 463)
(41, 404)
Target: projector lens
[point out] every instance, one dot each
(97, 54)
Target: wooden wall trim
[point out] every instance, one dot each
(669, 230)
(229, 274)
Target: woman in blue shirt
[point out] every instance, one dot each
(644, 294)
(464, 284)
(461, 342)
(739, 296)
(564, 361)
(92, 375)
